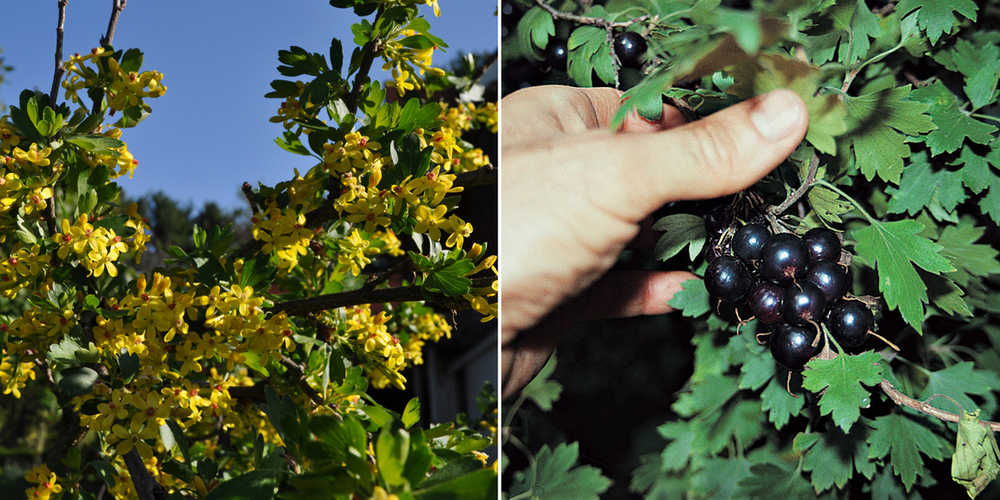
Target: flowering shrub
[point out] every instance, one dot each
(244, 371)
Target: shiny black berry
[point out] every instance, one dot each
(748, 243)
(727, 278)
(831, 278)
(791, 345)
(629, 47)
(823, 245)
(766, 302)
(849, 322)
(556, 53)
(718, 219)
(784, 258)
(804, 303)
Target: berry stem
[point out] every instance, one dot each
(803, 187)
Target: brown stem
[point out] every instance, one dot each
(803, 187)
(57, 76)
(924, 407)
(145, 486)
(299, 373)
(594, 21)
(116, 11)
(310, 305)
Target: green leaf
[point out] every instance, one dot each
(980, 66)
(921, 186)
(553, 476)
(827, 114)
(252, 485)
(937, 17)
(96, 143)
(720, 477)
(779, 404)
(391, 450)
(968, 257)
(959, 381)
(675, 455)
(77, 380)
(840, 381)
(827, 204)
(768, 481)
(879, 123)
(904, 438)
(692, 300)
(588, 46)
(976, 461)
(953, 124)
(833, 456)
(680, 230)
(534, 30)
(450, 280)
(481, 483)
(755, 372)
(541, 389)
(411, 414)
(893, 248)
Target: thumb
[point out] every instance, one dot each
(718, 155)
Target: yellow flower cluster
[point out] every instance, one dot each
(354, 250)
(283, 231)
(408, 64)
(479, 298)
(96, 248)
(119, 162)
(15, 375)
(125, 89)
(392, 340)
(46, 483)
(22, 268)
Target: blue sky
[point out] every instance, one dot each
(210, 132)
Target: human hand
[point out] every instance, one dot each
(573, 194)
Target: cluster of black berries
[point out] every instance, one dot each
(790, 284)
(629, 47)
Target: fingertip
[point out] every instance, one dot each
(779, 115)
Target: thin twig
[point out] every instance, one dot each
(924, 407)
(117, 6)
(594, 21)
(803, 187)
(57, 75)
(310, 305)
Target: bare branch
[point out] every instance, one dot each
(594, 21)
(145, 486)
(57, 75)
(924, 407)
(117, 6)
(309, 305)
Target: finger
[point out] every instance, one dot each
(624, 294)
(605, 102)
(715, 156)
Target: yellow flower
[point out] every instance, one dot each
(33, 156)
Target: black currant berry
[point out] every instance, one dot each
(804, 303)
(727, 278)
(748, 243)
(556, 53)
(823, 245)
(792, 345)
(831, 278)
(629, 47)
(717, 220)
(849, 322)
(784, 258)
(766, 302)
